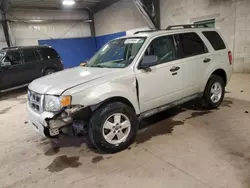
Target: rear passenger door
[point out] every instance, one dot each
(31, 61)
(218, 53)
(194, 56)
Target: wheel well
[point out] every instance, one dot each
(222, 74)
(47, 68)
(118, 99)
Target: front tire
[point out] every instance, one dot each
(214, 92)
(113, 127)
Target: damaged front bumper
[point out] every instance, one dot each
(50, 124)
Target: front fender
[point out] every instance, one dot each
(124, 87)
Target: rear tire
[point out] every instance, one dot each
(113, 127)
(49, 71)
(214, 92)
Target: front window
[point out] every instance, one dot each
(164, 48)
(117, 53)
(1, 56)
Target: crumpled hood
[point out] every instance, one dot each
(57, 83)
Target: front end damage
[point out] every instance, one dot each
(62, 122)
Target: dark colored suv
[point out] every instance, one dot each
(21, 65)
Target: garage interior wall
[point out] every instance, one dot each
(63, 30)
(73, 51)
(56, 25)
(119, 17)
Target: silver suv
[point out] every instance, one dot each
(131, 78)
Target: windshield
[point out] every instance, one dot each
(1, 55)
(117, 53)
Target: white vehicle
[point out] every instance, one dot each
(131, 78)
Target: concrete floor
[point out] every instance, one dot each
(183, 147)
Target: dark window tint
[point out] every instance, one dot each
(163, 48)
(215, 40)
(192, 44)
(29, 55)
(14, 57)
(48, 53)
(37, 55)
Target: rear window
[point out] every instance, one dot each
(192, 44)
(48, 53)
(214, 38)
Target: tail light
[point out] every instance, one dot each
(230, 57)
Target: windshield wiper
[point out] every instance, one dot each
(99, 66)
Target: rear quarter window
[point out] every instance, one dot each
(48, 53)
(192, 44)
(215, 40)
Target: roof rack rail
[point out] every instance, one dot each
(186, 26)
(23, 47)
(146, 31)
(9, 48)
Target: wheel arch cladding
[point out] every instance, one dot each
(118, 99)
(221, 73)
(48, 68)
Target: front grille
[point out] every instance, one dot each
(35, 101)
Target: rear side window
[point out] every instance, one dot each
(29, 55)
(215, 40)
(48, 53)
(192, 44)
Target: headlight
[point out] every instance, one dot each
(55, 104)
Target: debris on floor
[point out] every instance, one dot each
(97, 159)
(62, 162)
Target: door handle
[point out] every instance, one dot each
(207, 60)
(173, 69)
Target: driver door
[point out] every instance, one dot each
(11, 70)
(161, 83)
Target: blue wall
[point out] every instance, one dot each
(72, 51)
(76, 50)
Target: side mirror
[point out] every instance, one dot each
(84, 63)
(148, 61)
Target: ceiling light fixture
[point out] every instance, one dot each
(68, 2)
(87, 21)
(36, 20)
